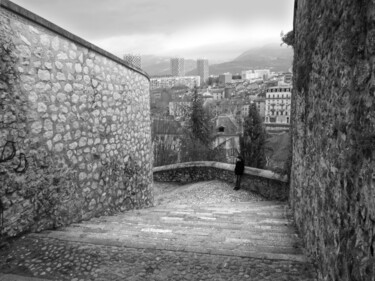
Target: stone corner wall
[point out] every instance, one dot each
(266, 183)
(332, 181)
(75, 127)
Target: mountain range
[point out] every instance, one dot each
(275, 57)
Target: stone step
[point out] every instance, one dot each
(197, 234)
(203, 223)
(277, 252)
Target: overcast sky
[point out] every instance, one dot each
(214, 29)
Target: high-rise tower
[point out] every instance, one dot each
(203, 70)
(177, 67)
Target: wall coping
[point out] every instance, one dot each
(224, 166)
(6, 4)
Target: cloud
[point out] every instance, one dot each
(203, 40)
(168, 26)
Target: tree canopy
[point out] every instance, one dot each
(253, 140)
(197, 141)
(198, 123)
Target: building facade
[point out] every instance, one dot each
(225, 78)
(263, 73)
(245, 108)
(256, 75)
(203, 70)
(260, 106)
(278, 105)
(227, 136)
(250, 75)
(178, 67)
(169, 82)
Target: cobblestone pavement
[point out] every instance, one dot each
(202, 231)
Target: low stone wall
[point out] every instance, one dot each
(266, 183)
(75, 129)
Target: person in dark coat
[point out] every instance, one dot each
(238, 171)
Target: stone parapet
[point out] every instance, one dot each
(266, 183)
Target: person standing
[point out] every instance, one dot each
(238, 171)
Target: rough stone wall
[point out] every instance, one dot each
(332, 180)
(75, 137)
(269, 188)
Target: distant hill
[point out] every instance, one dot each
(273, 56)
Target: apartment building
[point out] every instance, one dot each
(225, 78)
(203, 70)
(178, 67)
(263, 73)
(278, 105)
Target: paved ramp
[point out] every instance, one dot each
(215, 238)
(256, 229)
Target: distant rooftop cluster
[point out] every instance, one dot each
(170, 82)
(228, 97)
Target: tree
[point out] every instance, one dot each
(197, 140)
(198, 123)
(253, 140)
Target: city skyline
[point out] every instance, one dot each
(216, 31)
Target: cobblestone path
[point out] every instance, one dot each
(202, 231)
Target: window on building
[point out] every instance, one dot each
(221, 129)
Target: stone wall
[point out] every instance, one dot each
(75, 137)
(332, 181)
(266, 183)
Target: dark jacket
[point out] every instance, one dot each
(240, 166)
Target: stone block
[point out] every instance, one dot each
(44, 75)
(59, 65)
(68, 88)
